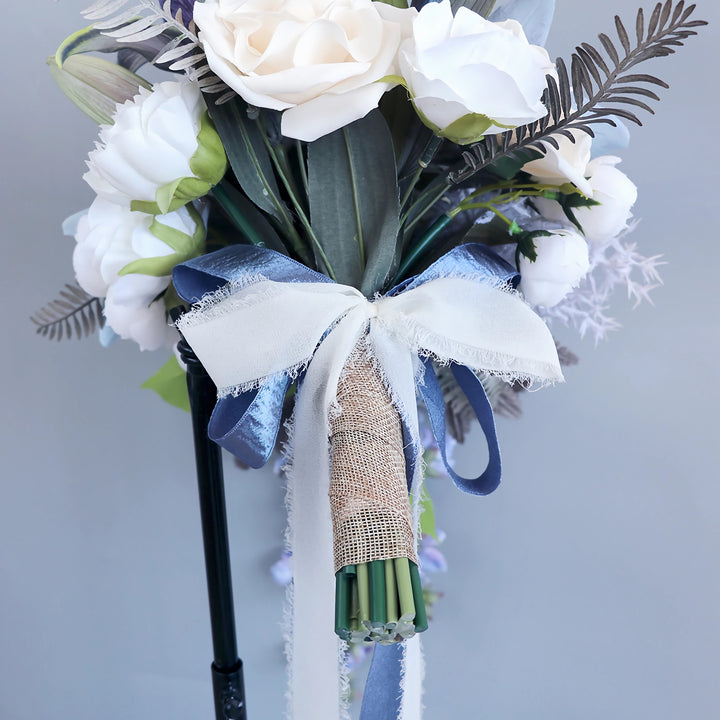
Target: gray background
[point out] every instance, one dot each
(585, 587)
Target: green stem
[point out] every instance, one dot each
(428, 154)
(303, 167)
(421, 621)
(391, 610)
(236, 217)
(434, 191)
(410, 259)
(378, 610)
(363, 584)
(405, 593)
(342, 604)
(291, 190)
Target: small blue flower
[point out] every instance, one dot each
(281, 571)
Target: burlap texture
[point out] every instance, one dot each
(368, 488)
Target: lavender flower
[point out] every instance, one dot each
(431, 557)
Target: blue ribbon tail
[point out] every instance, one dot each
(381, 699)
(432, 395)
(247, 425)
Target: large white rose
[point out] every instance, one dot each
(318, 60)
(616, 194)
(468, 76)
(153, 145)
(562, 262)
(567, 163)
(111, 241)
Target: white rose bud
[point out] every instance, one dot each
(562, 262)
(321, 61)
(468, 76)
(566, 164)
(616, 194)
(131, 312)
(160, 153)
(127, 257)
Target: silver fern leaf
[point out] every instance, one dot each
(137, 21)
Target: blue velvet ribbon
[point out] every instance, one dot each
(247, 425)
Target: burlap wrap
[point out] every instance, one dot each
(368, 488)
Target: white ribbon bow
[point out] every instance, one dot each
(245, 334)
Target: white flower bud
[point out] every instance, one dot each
(616, 194)
(562, 262)
(152, 146)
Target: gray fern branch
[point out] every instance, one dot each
(74, 312)
(137, 21)
(595, 89)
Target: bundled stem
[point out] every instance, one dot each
(378, 591)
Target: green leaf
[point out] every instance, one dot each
(354, 204)
(209, 161)
(184, 245)
(247, 218)
(170, 384)
(95, 85)
(247, 154)
(526, 244)
(427, 515)
(466, 129)
(508, 166)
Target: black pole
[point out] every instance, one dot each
(227, 673)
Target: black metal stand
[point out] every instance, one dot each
(227, 673)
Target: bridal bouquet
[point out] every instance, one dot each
(347, 204)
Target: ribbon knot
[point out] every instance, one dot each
(263, 320)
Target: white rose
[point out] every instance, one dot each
(616, 194)
(161, 150)
(468, 76)
(562, 262)
(120, 256)
(568, 163)
(132, 314)
(318, 60)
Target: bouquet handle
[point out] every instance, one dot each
(227, 668)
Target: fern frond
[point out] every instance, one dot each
(75, 311)
(596, 87)
(136, 21)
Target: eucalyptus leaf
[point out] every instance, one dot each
(95, 85)
(535, 16)
(354, 204)
(247, 154)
